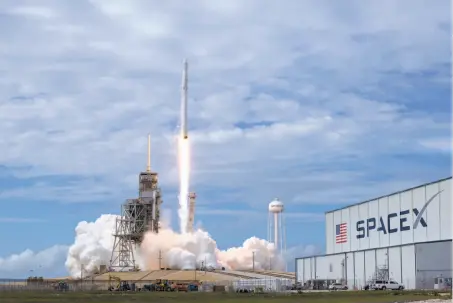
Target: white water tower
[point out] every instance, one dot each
(276, 231)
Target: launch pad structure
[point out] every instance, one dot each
(138, 216)
(142, 214)
(190, 222)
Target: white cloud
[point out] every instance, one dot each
(440, 144)
(45, 263)
(32, 11)
(286, 100)
(78, 95)
(49, 262)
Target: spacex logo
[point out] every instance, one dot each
(419, 218)
(390, 224)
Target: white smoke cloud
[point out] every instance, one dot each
(46, 262)
(255, 251)
(92, 246)
(94, 241)
(179, 251)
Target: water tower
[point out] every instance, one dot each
(276, 231)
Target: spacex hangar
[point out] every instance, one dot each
(405, 236)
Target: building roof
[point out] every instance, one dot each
(394, 193)
(187, 275)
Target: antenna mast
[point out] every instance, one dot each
(148, 166)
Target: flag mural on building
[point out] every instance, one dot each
(341, 233)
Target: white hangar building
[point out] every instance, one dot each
(405, 236)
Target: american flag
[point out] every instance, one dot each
(341, 233)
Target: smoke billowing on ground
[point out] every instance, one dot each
(94, 241)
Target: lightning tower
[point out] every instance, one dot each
(138, 216)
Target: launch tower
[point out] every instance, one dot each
(190, 222)
(137, 217)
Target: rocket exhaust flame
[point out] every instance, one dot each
(186, 250)
(184, 174)
(184, 156)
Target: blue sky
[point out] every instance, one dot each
(319, 103)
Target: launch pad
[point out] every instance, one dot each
(138, 216)
(142, 214)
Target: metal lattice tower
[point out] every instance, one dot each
(137, 217)
(123, 248)
(381, 273)
(192, 196)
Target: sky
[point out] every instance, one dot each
(319, 103)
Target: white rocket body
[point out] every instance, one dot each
(184, 133)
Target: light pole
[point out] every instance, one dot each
(253, 260)
(387, 270)
(160, 259)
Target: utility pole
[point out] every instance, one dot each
(253, 260)
(387, 272)
(81, 276)
(160, 259)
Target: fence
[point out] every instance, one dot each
(270, 285)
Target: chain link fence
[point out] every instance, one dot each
(245, 285)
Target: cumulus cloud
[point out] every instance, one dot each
(47, 262)
(286, 94)
(309, 101)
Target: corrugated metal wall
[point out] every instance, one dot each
(415, 265)
(398, 229)
(432, 260)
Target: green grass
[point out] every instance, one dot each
(164, 297)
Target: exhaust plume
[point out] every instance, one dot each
(169, 249)
(184, 175)
(94, 241)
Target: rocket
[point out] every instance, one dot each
(184, 133)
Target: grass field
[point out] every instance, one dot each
(163, 297)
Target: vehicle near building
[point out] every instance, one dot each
(386, 284)
(338, 286)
